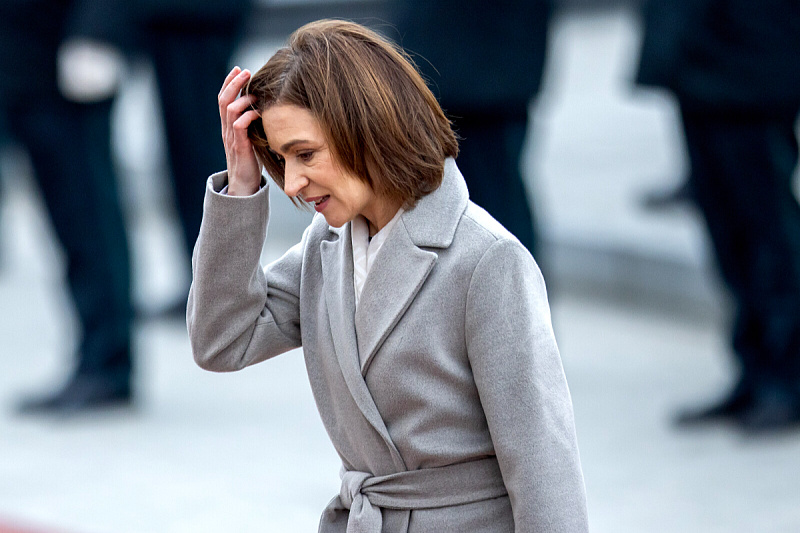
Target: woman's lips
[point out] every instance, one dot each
(319, 202)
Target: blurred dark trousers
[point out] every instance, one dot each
(69, 148)
(191, 67)
(741, 169)
(489, 159)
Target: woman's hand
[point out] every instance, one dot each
(244, 172)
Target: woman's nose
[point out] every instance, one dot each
(293, 182)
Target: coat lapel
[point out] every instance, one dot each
(403, 265)
(337, 273)
(394, 280)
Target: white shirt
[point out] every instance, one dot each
(365, 250)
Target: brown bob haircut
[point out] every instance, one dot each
(380, 120)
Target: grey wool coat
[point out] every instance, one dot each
(461, 419)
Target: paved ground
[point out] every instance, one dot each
(246, 452)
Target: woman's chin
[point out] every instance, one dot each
(334, 221)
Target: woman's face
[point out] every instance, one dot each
(310, 171)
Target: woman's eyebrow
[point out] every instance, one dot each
(288, 146)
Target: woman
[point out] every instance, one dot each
(424, 324)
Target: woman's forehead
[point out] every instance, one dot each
(287, 124)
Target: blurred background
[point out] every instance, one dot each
(640, 315)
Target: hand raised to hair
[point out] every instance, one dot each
(244, 171)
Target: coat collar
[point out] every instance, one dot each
(433, 221)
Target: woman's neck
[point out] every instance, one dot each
(380, 215)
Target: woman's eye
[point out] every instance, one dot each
(305, 156)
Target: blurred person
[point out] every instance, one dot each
(662, 199)
(190, 44)
(68, 141)
(424, 323)
(734, 67)
(484, 61)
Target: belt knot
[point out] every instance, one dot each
(363, 495)
(352, 481)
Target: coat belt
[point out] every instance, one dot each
(364, 494)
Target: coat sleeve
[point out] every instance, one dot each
(239, 314)
(523, 391)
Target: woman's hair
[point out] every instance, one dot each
(380, 120)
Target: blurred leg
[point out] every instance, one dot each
(742, 170)
(69, 146)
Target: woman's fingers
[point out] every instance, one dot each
(231, 105)
(239, 106)
(239, 142)
(236, 114)
(229, 93)
(243, 122)
(232, 87)
(235, 71)
(222, 97)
